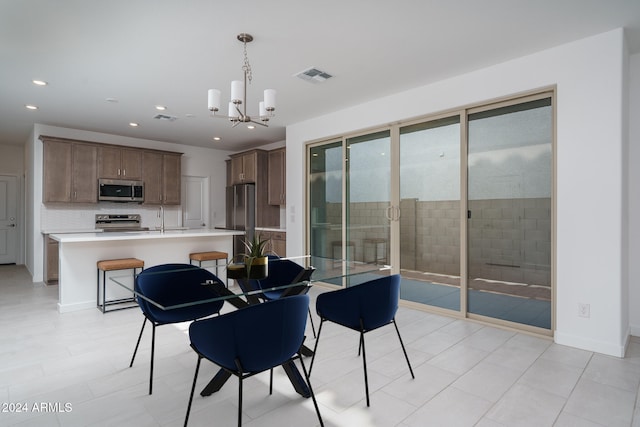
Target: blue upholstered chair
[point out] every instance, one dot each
(170, 285)
(363, 308)
(251, 340)
(283, 272)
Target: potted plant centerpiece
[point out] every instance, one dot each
(254, 263)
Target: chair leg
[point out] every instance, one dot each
(403, 349)
(313, 396)
(315, 347)
(240, 372)
(153, 348)
(364, 363)
(193, 388)
(271, 381)
(313, 327)
(138, 343)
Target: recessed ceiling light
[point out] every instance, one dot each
(31, 107)
(133, 124)
(251, 127)
(160, 107)
(216, 138)
(39, 82)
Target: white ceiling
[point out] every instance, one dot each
(167, 52)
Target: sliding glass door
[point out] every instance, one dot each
(460, 205)
(429, 213)
(509, 202)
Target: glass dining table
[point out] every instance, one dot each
(314, 270)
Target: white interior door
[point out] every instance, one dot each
(8, 219)
(195, 204)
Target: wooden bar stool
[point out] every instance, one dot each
(210, 256)
(114, 265)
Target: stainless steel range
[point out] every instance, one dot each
(119, 222)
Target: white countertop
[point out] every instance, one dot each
(140, 235)
(284, 230)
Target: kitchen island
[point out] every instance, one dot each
(79, 253)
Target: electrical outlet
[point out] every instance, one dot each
(584, 310)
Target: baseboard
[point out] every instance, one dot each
(68, 308)
(603, 347)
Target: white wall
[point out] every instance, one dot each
(196, 161)
(589, 77)
(634, 195)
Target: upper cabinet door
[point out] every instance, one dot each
(171, 184)
(119, 163)
(277, 177)
(85, 178)
(131, 163)
(57, 172)
(109, 162)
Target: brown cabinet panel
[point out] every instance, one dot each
(152, 177)
(245, 167)
(85, 179)
(119, 163)
(109, 162)
(171, 184)
(57, 172)
(161, 174)
(70, 172)
(131, 161)
(277, 177)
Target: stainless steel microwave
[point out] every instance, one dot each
(118, 190)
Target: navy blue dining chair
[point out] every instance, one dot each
(283, 272)
(173, 285)
(362, 308)
(252, 340)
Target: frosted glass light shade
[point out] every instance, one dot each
(214, 99)
(237, 91)
(263, 109)
(270, 99)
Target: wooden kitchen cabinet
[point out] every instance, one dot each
(277, 177)
(245, 167)
(70, 172)
(119, 163)
(161, 173)
(277, 242)
(171, 184)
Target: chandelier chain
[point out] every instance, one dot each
(246, 67)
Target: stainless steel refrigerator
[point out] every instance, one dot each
(241, 213)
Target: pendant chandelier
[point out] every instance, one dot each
(238, 104)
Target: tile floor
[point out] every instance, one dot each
(72, 370)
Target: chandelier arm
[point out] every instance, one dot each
(259, 123)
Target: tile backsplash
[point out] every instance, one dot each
(81, 217)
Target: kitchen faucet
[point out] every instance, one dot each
(161, 215)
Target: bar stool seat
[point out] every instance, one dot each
(114, 265)
(209, 256)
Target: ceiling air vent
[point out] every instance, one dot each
(313, 75)
(165, 117)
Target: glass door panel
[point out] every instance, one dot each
(509, 203)
(430, 213)
(325, 201)
(368, 192)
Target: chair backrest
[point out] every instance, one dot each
(175, 284)
(281, 272)
(260, 336)
(375, 302)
